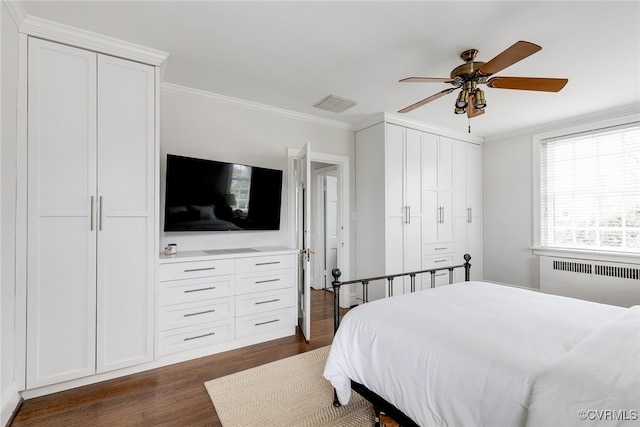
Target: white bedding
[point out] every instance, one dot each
(597, 382)
(464, 354)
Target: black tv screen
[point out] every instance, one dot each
(207, 195)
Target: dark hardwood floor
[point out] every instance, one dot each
(173, 395)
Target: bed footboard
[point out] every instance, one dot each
(389, 278)
(378, 402)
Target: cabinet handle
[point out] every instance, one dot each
(200, 312)
(409, 214)
(469, 215)
(200, 289)
(269, 321)
(100, 211)
(440, 249)
(406, 214)
(441, 274)
(199, 269)
(199, 336)
(268, 301)
(440, 260)
(267, 281)
(92, 212)
(267, 263)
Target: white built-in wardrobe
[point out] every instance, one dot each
(418, 202)
(90, 213)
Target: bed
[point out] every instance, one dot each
(476, 353)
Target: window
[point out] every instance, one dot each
(589, 194)
(241, 186)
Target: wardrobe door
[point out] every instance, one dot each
(61, 185)
(126, 159)
(413, 178)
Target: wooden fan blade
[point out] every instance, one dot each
(428, 79)
(541, 84)
(517, 52)
(427, 100)
(474, 112)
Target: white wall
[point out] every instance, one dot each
(507, 164)
(202, 125)
(8, 95)
(507, 212)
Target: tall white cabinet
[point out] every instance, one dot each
(91, 213)
(414, 189)
(468, 203)
(403, 223)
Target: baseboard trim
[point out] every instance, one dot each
(11, 402)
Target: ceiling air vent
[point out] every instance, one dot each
(336, 104)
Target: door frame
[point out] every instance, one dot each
(343, 173)
(318, 238)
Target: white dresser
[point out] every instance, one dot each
(224, 299)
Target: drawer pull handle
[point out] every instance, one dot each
(440, 260)
(268, 321)
(201, 289)
(267, 263)
(440, 249)
(267, 281)
(199, 269)
(268, 301)
(199, 336)
(200, 312)
(441, 274)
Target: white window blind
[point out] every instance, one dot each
(590, 190)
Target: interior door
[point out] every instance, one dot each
(330, 227)
(303, 225)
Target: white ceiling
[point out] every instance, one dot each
(292, 54)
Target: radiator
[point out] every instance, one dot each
(604, 282)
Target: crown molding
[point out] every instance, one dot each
(49, 30)
(630, 111)
(16, 10)
(250, 105)
(412, 124)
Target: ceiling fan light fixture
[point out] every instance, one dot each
(472, 73)
(462, 99)
(479, 102)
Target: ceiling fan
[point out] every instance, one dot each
(472, 73)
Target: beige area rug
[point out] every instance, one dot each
(288, 392)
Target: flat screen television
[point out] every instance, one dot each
(208, 195)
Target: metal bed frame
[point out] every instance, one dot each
(379, 403)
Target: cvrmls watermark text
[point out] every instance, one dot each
(608, 415)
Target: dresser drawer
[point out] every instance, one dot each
(193, 313)
(264, 281)
(435, 249)
(190, 290)
(265, 322)
(437, 262)
(191, 337)
(260, 302)
(265, 263)
(193, 269)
